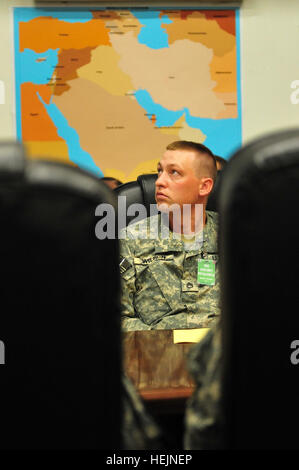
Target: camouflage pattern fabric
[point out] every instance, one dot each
(203, 419)
(159, 278)
(139, 431)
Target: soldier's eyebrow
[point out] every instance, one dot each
(169, 165)
(176, 166)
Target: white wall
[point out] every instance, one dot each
(269, 64)
(7, 110)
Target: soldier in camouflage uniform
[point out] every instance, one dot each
(203, 417)
(139, 431)
(160, 272)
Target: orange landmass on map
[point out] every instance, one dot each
(225, 18)
(107, 14)
(43, 33)
(69, 61)
(185, 13)
(36, 124)
(224, 72)
(197, 28)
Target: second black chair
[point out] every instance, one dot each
(259, 260)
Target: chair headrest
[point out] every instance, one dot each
(260, 160)
(141, 191)
(147, 183)
(48, 174)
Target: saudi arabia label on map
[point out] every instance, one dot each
(108, 89)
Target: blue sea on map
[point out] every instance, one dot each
(36, 70)
(222, 135)
(71, 137)
(152, 34)
(164, 116)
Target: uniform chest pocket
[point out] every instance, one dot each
(156, 289)
(168, 281)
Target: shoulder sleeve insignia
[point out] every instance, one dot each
(124, 265)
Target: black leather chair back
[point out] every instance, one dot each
(142, 192)
(59, 322)
(212, 203)
(259, 261)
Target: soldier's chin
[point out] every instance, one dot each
(163, 207)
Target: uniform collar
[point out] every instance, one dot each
(209, 244)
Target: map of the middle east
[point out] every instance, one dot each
(108, 89)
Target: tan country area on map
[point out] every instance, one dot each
(121, 20)
(104, 71)
(111, 126)
(173, 76)
(124, 25)
(216, 31)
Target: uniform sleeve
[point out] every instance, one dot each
(203, 417)
(139, 430)
(127, 271)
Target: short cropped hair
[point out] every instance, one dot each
(221, 161)
(207, 165)
(110, 178)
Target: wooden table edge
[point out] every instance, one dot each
(166, 393)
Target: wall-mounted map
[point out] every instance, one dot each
(108, 89)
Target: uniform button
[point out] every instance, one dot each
(189, 285)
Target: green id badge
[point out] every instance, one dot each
(206, 272)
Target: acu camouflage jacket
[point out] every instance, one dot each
(159, 277)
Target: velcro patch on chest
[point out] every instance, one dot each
(153, 258)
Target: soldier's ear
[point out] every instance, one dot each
(205, 186)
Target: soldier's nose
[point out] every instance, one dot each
(161, 181)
